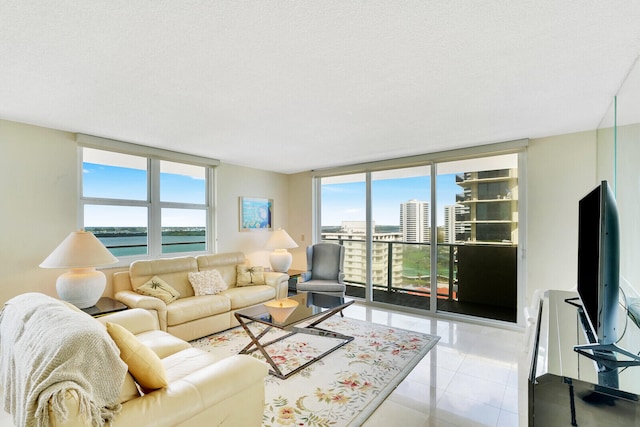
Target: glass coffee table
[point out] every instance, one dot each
(313, 306)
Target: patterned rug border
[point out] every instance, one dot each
(231, 340)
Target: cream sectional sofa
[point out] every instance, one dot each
(190, 317)
(201, 390)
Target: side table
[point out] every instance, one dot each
(294, 276)
(105, 305)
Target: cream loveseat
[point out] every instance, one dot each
(190, 317)
(57, 359)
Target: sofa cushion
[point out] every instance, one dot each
(158, 288)
(187, 361)
(143, 363)
(129, 389)
(249, 295)
(174, 271)
(225, 263)
(249, 276)
(208, 282)
(192, 308)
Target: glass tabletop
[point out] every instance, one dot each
(310, 304)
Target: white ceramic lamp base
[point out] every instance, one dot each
(81, 287)
(280, 260)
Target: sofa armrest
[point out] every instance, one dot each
(234, 384)
(71, 403)
(279, 281)
(134, 300)
(136, 320)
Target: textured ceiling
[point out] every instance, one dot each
(290, 86)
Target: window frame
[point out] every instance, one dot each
(518, 147)
(153, 203)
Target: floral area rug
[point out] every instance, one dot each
(343, 388)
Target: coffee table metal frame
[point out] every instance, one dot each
(310, 329)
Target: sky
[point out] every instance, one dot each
(119, 182)
(346, 201)
(340, 202)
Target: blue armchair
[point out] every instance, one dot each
(324, 270)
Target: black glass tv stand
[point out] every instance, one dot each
(603, 354)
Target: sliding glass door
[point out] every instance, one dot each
(477, 255)
(401, 234)
(343, 221)
(439, 236)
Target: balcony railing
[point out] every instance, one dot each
(467, 274)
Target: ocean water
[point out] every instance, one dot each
(137, 245)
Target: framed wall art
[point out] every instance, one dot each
(255, 213)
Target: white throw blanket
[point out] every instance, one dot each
(47, 349)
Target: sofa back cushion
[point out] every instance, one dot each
(225, 263)
(174, 271)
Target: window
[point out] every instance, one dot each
(408, 245)
(144, 204)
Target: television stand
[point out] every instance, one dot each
(563, 386)
(605, 355)
(602, 353)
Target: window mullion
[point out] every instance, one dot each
(155, 210)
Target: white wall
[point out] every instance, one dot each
(38, 181)
(300, 225)
(561, 170)
(234, 182)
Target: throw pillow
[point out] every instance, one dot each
(145, 366)
(247, 276)
(158, 288)
(207, 282)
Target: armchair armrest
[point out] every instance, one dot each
(279, 281)
(134, 300)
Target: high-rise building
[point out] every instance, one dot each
(414, 221)
(385, 254)
(488, 211)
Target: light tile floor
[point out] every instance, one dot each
(475, 376)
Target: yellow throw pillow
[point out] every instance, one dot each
(247, 276)
(145, 366)
(158, 288)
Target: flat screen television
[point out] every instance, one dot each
(599, 262)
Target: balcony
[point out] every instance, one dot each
(477, 280)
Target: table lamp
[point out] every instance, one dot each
(81, 252)
(280, 259)
(281, 309)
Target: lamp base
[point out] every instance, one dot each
(280, 260)
(81, 287)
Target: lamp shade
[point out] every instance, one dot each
(80, 252)
(281, 240)
(80, 249)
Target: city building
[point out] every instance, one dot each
(488, 207)
(387, 256)
(414, 221)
